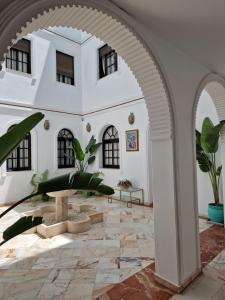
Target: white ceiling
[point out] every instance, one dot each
(195, 26)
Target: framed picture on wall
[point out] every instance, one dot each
(132, 140)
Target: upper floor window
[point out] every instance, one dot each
(110, 148)
(20, 158)
(65, 151)
(19, 57)
(64, 68)
(108, 61)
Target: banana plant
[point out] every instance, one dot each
(84, 158)
(207, 144)
(78, 180)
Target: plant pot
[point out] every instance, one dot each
(216, 213)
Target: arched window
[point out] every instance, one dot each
(110, 148)
(20, 158)
(65, 151)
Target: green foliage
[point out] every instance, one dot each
(8, 142)
(84, 158)
(35, 181)
(23, 224)
(11, 139)
(207, 143)
(209, 136)
(79, 153)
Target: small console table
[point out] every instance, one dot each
(125, 195)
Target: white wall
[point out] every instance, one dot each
(115, 88)
(206, 108)
(15, 185)
(40, 88)
(133, 165)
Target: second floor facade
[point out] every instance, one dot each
(65, 70)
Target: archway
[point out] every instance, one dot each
(215, 87)
(119, 33)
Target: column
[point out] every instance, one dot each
(176, 232)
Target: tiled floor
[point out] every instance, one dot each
(77, 266)
(82, 266)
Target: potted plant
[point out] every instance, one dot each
(125, 184)
(207, 144)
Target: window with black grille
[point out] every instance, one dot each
(64, 68)
(20, 158)
(19, 57)
(65, 151)
(108, 61)
(110, 148)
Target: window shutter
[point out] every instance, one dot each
(22, 45)
(65, 64)
(105, 50)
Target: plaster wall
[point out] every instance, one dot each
(15, 185)
(133, 165)
(118, 87)
(88, 95)
(40, 88)
(183, 75)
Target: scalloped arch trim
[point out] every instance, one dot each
(127, 45)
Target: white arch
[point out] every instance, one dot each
(117, 30)
(215, 86)
(120, 37)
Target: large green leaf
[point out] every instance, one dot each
(218, 170)
(198, 140)
(80, 180)
(55, 184)
(90, 144)
(87, 181)
(78, 150)
(91, 159)
(204, 162)
(220, 125)
(209, 136)
(23, 224)
(94, 148)
(105, 189)
(77, 181)
(10, 140)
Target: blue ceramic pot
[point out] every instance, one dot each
(215, 213)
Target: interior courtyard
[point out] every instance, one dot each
(126, 104)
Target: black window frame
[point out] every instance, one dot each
(19, 158)
(113, 143)
(103, 59)
(62, 140)
(61, 76)
(14, 63)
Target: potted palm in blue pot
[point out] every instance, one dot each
(207, 144)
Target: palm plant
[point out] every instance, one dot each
(207, 144)
(84, 158)
(78, 180)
